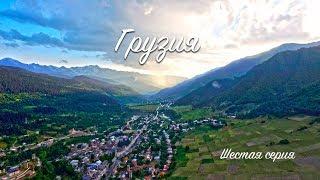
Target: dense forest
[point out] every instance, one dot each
(30, 101)
(288, 83)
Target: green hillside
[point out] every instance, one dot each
(30, 101)
(288, 83)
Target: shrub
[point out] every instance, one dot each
(284, 141)
(207, 161)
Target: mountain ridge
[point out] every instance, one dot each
(287, 83)
(143, 83)
(232, 70)
(17, 80)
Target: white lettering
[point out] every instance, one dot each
(163, 45)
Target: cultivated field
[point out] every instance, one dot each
(202, 148)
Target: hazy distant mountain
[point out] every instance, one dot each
(141, 83)
(114, 89)
(234, 69)
(287, 83)
(17, 80)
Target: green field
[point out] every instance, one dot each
(201, 159)
(144, 107)
(187, 113)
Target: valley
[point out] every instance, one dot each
(150, 89)
(136, 148)
(143, 83)
(83, 127)
(178, 142)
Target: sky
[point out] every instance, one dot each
(80, 32)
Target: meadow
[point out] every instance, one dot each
(144, 107)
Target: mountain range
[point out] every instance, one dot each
(141, 83)
(287, 83)
(235, 69)
(17, 80)
(282, 81)
(24, 94)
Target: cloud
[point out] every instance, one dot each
(70, 42)
(103, 56)
(231, 29)
(230, 46)
(216, 22)
(43, 39)
(34, 17)
(35, 39)
(12, 35)
(94, 29)
(63, 61)
(13, 45)
(264, 22)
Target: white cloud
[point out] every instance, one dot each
(249, 26)
(228, 29)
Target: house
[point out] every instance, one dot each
(74, 163)
(13, 171)
(165, 168)
(134, 162)
(2, 154)
(157, 158)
